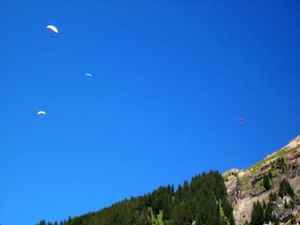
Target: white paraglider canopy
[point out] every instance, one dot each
(88, 76)
(41, 113)
(53, 28)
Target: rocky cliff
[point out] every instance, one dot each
(256, 183)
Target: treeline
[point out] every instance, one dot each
(203, 200)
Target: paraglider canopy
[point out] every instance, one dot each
(241, 120)
(53, 28)
(88, 76)
(41, 113)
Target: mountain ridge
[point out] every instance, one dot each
(244, 187)
(213, 198)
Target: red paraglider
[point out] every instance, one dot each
(241, 120)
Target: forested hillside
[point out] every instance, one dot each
(203, 200)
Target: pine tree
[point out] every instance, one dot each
(275, 220)
(270, 175)
(266, 182)
(268, 212)
(264, 206)
(257, 217)
(42, 222)
(272, 197)
(293, 220)
(285, 188)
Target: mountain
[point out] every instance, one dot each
(266, 193)
(202, 200)
(246, 187)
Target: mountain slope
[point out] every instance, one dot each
(211, 198)
(203, 200)
(247, 186)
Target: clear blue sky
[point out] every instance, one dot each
(170, 80)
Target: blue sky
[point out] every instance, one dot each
(170, 80)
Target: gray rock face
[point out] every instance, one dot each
(246, 186)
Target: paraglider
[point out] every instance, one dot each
(88, 76)
(41, 113)
(53, 29)
(241, 120)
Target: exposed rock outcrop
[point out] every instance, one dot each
(247, 186)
